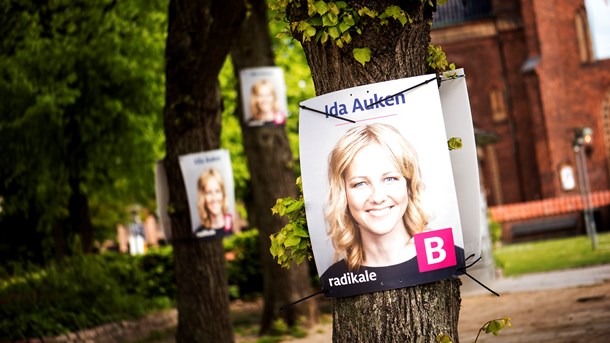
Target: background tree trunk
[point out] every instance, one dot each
(272, 177)
(199, 38)
(415, 314)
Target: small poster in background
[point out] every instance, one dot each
(208, 178)
(263, 96)
(162, 197)
(379, 191)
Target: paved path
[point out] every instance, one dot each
(538, 281)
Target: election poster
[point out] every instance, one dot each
(263, 96)
(208, 178)
(378, 185)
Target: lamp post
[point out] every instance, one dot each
(582, 142)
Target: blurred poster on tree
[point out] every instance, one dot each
(263, 96)
(208, 178)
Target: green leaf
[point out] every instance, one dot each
(362, 55)
(334, 32)
(324, 37)
(442, 338)
(309, 32)
(300, 231)
(342, 4)
(454, 143)
(333, 8)
(346, 37)
(292, 241)
(280, 237)
(330, 19)
(321, 7)
(316, 21)
(368, 12)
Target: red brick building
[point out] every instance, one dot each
(532, 79)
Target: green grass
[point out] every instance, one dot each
(556, 254)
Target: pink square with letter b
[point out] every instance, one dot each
(435, 249)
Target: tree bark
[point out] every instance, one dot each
(272, 177)
(415, 314)
(199, 36)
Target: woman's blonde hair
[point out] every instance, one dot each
(256, 113)
(202, 182)
(343, 230)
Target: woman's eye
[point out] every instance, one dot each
(391, 179)
(358, 184)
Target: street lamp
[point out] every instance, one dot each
(581, 145)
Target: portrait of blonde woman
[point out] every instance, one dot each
(216, 221)
(373, 211)
(264, 104)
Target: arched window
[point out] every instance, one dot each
(497, 101)
(583, 34)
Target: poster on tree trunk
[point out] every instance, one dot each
(208, 178)
(263, 96)
(379, 191)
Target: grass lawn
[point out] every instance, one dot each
(541, 256)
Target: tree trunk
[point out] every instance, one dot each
(272, 177)
(415, 314)
(199, 36)
(78, 204)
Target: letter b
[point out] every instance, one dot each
(435, 250)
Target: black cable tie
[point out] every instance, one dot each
(369, 106)
(451, 78)
(326, 114)
(302, 299)
(463, 270)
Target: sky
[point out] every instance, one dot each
(598, 13)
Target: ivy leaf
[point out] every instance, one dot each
(333, 8)
(454, 143)
(300, 232)
(362, 55)
(321, 7)
(367, 11)
(342, 4)
(344, 26)
(309, 32)
(330, 19)
(442, 338)
(334, 32)
(346, 37)
(303, 25)
(316, 21)
(292, 241)
(324, 37)
(494, 326)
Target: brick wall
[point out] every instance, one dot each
(544, 102)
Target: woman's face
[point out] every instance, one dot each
(264, 100)
(377, 195)
(213, 197)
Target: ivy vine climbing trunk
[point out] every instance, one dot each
(415, 314)
(271, 177)
(198, 41)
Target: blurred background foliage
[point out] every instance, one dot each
(82, 88)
